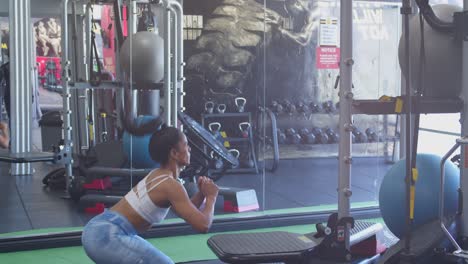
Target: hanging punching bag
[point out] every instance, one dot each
(147, 58)
(443, 56)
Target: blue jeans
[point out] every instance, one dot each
(111, 238)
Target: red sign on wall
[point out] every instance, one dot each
(328, 57)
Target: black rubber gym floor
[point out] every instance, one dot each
(26, 204)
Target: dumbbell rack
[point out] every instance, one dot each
(224, 119)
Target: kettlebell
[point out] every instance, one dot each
(221, 108)
(209, 107)
(236, 154)
(216, 162)
(240, 104)
(215, 129)
(244, 127)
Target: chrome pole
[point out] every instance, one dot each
(20, 81)
(345, 119)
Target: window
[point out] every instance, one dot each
(193, 25)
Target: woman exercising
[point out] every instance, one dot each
(112, 237)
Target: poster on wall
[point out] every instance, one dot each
(328, 53)
(47, 36)
(47, 39)
(328, 57)
(328, 32)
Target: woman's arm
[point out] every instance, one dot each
(198, 199)
(200, 220)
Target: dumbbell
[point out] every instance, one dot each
(360, 137)
(276, 107)
(302, 107)
(329, 107)
(292, 137)
(335, 137)
(320, 136)
(315, 108)
(332, 136)
(281, 136)
(304, 132)
(371, 135)
(310, 138)
(316, 130)
(289, 107)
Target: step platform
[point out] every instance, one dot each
(287, 247)
(237, 200)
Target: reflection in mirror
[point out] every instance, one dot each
(252, 85)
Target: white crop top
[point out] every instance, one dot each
(142, 203)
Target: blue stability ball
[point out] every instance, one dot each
(392, 195)
(137, 148)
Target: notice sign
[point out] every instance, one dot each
(328, 32)
(328, 57)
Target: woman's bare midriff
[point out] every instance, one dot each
(138, 222)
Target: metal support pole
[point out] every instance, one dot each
(174, 67)
(91, 94)
(132, 17)
(345, 121)
(459, 252)
(464, 133)
(20, 81)
(79, 105)
(442, 195)
(180, 55)
(66, 95)
(406, 11)
(87, 31)
(132, 29)
(119, 93)
(167, 66)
